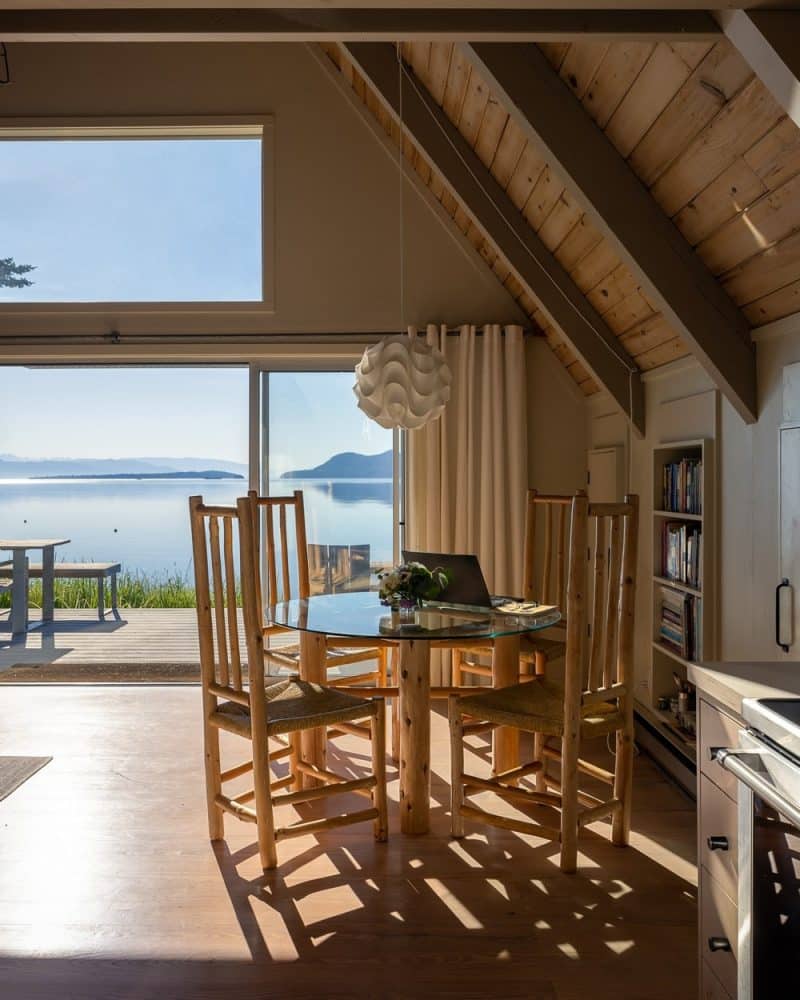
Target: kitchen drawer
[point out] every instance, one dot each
(710, 987)
(718, 922)
(717, 730)
(718, 819)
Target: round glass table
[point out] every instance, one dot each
(361, 616)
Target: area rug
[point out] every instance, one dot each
(14, 771)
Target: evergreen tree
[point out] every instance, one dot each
(11, 273)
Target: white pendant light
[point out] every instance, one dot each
(402, 381)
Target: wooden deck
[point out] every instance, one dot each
(109, 887)
(160, 641)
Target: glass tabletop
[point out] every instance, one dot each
(362, 615)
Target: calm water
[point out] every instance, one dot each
(144, 524)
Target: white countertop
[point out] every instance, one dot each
(729, 683)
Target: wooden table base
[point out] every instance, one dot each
(415, 736)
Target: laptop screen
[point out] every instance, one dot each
(467, 585)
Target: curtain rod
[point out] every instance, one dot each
(114, 337)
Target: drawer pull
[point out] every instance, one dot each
(717, 843)
(719, 944)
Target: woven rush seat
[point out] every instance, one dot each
(293, 705)
(538, 707)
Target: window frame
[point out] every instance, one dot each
(174, 127)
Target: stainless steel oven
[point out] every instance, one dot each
(766, 764)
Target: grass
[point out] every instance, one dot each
(134, 590)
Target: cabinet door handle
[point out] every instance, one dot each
(717, 843)
(783, 645)
(719, 944)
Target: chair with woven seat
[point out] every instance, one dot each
(543, 580)
(287, 576)
(269, 712)
(596, 699)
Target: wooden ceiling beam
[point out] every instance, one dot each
(496, 216)
(769, 40)
(673, 276)
(356, 24)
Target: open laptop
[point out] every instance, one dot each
(467, 590)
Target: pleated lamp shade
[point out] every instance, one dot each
(402, 381)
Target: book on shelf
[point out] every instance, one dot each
(683, 486)
(680, 623)
(682, 553)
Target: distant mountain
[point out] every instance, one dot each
(15, 467)
(205, 474)
(348, 465)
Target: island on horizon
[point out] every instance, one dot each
(204, 474)
(349, 465)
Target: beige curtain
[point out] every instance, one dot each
(468, 470)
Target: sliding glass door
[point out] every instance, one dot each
(314, 438)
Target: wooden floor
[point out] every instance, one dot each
(110, 889)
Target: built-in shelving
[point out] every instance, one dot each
(695, 598)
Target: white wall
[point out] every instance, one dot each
(337, 192)
(557, 429)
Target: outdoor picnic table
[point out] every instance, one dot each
(19, 548)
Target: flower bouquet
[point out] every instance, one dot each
(409, 584)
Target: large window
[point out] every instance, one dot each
(315, 439)
(134, 214)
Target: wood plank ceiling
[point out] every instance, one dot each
(701, 132)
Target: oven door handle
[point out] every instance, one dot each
(732, 760)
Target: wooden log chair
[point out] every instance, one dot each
(544, 580)
(269, 712)
(289, 577)
(595, 701)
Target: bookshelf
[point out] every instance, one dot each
(683, 564)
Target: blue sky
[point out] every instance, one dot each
(198, 412)
(133, 220)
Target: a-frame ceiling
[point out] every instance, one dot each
(699, 130)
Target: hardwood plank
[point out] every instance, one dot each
(782, 302)
(764, 274)
(560, 221)
(456, 86)
(744, 120)
(614, 77)
(473, 107)
(734, 189)
(580, 65)
(583, 238)
(494, 121)
(692, 53)
(508, 153)
(776, 157)
(717, 78)
(526, 173)
(438, 69)
(657, 84)
(633, 309)
(544, 196)
(670, 350)
(762, 225)
(646, 336)
(594, 266)
(615, 287)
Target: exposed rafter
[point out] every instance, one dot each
(770, 41)
(355, 24)
(646, 240)
(492, 211)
